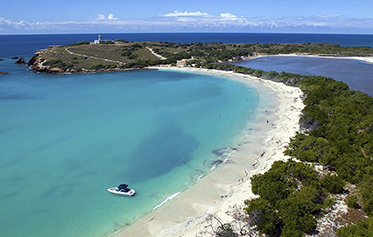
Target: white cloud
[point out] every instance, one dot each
(195, 21)
(328, 16)
(5, 21)
(177, 14)
(201, 19)
(111, 17)
(186, 19)
(103, 17)
(228, 16)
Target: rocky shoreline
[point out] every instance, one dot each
(36, 65)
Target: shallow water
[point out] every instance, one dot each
(65, 139)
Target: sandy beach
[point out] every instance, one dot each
(364, 59)
(219, 196)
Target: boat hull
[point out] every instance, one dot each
(131, 192)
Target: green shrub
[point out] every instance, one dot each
(226, 230)
(290, 198)
(79, 43)
(126, 53)
(352, 202)
(332, 184)
(362, 228)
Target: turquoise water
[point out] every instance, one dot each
(65, 139)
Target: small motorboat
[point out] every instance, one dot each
(122, 189)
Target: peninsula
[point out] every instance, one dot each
(121, 55)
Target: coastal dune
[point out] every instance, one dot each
(219, 196)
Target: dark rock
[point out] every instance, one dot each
(15, 58)
(21, 60)
(4, 73)
(33, 59)
(1, 59)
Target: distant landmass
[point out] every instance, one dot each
(117, 55)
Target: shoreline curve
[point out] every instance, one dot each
(225, 189)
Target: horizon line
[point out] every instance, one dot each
(185, 32)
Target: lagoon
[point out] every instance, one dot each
(357, 74)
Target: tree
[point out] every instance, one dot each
(226, 230)
(290, 196)
(264, 216)
(363, 228)
(332, 184)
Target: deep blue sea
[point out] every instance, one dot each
(65, 139)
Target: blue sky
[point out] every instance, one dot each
(117, 16)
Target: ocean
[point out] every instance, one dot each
(65, 139)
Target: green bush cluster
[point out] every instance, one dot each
(79, 43)
(310, 48)
(58, 64)
(352, 202)
(290, 198)
(363, 228)
(333, 184)
(344, 140)
(127, 51)
(226, 230)
(102, 67)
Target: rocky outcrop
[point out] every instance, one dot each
(32, 60)
(21, 60)
(4, 73)
(35, 64)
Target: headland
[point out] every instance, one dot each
(85, 57)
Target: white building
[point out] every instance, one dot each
(99, 40)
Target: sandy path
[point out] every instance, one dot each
(103, 59)
(155, 54)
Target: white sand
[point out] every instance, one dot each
(365, 59)
(226, 188)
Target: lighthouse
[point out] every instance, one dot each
(98, 40)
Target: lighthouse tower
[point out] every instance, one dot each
(98, 40)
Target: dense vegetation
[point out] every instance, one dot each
(338, 125)
(309, 48)
(362, 228)
(290, 197)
